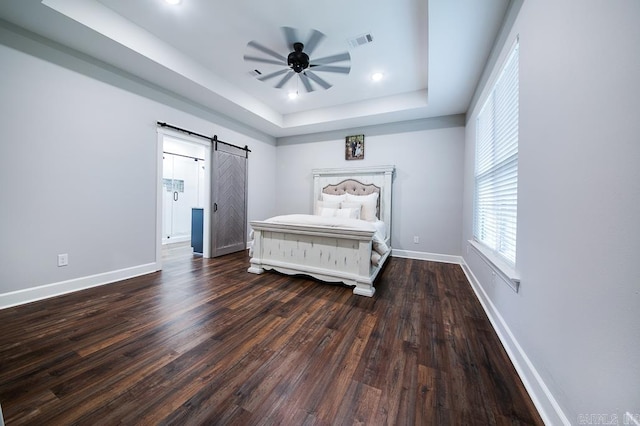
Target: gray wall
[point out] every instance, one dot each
(576, 319)
(78, 164)
(428, 155)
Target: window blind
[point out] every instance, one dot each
(496, 165)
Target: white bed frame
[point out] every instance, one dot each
(328, 254)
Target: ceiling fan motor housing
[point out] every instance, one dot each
(298, 60)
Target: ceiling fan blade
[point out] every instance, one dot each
(290, 37)
(318, 80)
(333, 58)
(331, 68)
(312, 43)
(306, 82)
(266, 50)
(273, 74)
(286, 78)
(264, 60)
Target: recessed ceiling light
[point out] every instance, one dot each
(377, 76)
(173, 1)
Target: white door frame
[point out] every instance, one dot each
(206, 237)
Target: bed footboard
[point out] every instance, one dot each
(328, 254)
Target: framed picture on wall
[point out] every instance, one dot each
(354, 147)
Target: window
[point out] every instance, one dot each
(496, 166)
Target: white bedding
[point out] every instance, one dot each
(380, 248)
(335, 222)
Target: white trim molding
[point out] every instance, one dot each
(508, 273)
(46, 291)
(421, 255)
(547, 406)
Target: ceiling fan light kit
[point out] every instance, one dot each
(299, 61)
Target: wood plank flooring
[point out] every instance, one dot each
(205, 342)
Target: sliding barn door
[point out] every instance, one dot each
(229, 188)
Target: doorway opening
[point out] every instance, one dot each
(184, 188)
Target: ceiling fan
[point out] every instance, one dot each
(299, 61)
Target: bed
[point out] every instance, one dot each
(347, 239)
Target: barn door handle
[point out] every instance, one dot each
(175, 195)
(215, 207)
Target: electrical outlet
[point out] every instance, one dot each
(63, 259)
(416, 240)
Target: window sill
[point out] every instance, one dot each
(508, 273)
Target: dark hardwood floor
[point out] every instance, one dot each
(205, 342)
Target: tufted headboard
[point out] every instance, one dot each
(351, 186)
(354, 187)
(357, 181)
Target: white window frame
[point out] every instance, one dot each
(496, 172)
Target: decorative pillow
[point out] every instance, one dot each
(369, 205)
(333, 198)
(350, 205)
(327, 212)
(380, 247)
(349, 213)
(357, 206)
(326, 204)
(343, 213)
(375, 258)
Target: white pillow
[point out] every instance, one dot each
(349, 213)
(327, 212)
(380, 247)
(333, 198)
(350, 205)
(326, 204)
(368, 203)
(342, 213)
(357, 206)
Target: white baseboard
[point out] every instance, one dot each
(547, 406)
(28, 295)
(420, 255)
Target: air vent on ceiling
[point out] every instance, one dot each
(360, 40)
